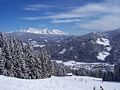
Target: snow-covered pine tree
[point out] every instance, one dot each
(46, 63)
(117, 72)
(2, 58)
(59, 69)
(22, 61)
(17, 60)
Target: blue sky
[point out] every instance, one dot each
(73, 16)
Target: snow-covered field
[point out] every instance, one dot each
(57, 83)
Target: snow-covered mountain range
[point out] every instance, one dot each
(102, 48)
(44, 31)
(92, 47)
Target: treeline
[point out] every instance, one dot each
(18, 59)
(110, 75)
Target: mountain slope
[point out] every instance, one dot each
(57, 83)
(92, 47)
(102, 48)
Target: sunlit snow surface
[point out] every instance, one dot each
(63, 51)
(56, 83)
(102, 55)
(44, 31)
(103, 41)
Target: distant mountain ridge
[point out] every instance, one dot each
(91, 47)
(99, 51)
(44, 31)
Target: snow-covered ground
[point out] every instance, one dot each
(57, 83)
(88, 66)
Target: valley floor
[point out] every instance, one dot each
(57, 83)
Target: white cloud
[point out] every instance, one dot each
(108, 22)
(36, 7)
(105, 15)
(32, 18)
(66, 21)
(89, 10)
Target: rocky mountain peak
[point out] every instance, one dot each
(45, 31)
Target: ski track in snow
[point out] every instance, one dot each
(56, 83)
